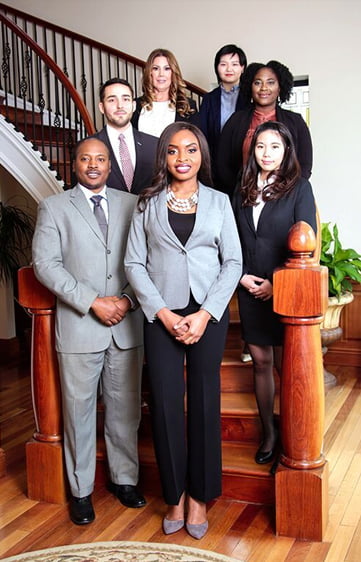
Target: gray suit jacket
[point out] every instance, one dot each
(71, 259)
(162, 271)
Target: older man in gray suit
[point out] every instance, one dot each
(78, 253)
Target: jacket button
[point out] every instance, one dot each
(109, 276)
(109, 251)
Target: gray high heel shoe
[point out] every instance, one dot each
(197, 531)
(172, 526)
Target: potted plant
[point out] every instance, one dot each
(343, 266)
(16, 232)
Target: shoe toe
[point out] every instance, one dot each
(128, 495)
(197, 531)
(172, 526)
(81, 510)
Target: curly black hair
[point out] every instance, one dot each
(284, 77)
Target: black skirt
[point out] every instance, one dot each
(260, 325)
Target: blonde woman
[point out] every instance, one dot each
(164, 98)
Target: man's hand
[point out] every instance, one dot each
(110, 310)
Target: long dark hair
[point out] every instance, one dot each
(162, 177)
(285, 178)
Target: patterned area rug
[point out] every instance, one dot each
(121, 552)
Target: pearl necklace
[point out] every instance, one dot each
(181, 205)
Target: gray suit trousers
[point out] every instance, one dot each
(120, 375)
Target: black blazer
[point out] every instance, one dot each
(265, 249)
(192, 117)
(145, 151)
(210, 117)
(230, 158)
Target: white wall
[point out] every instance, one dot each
(318, 38)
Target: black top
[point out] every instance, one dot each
(182, 224)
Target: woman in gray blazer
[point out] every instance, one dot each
(183, 261)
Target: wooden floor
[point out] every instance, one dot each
(245, 532)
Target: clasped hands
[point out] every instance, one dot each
(185, 329)
(111, 310)
(259, 287)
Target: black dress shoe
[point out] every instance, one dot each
(263, 457)
(127, 495)
(81, 510)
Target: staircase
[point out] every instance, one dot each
(49, 84)
(49, 91)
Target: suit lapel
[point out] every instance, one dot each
(248, 211)
(161, 211)
(138, 155)
(204, 201)
(115, 169)
(78, 199)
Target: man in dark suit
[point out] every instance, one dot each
(79, 255)
(133, 170)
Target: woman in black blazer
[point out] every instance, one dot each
(264, 86)
(272, 197)
(164, 98)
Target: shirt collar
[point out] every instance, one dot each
(113, 133)
(89, 193)
(231, 91)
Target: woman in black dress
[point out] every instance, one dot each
(272, 197)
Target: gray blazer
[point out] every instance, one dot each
(71, 258)
(162, 271)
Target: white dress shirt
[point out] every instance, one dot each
(113, 135)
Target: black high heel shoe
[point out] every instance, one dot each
(263, 457)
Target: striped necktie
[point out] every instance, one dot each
(127, 166)
(99, 214)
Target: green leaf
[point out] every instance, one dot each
(343, 264)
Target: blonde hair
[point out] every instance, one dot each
(177, 91)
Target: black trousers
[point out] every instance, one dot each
(188, 448)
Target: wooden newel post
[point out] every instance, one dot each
(300, 297)
(44, 453)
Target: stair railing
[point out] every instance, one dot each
(87, 63)
(39, 99)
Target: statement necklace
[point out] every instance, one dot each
(181, 205)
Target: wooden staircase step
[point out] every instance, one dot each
(242, 478)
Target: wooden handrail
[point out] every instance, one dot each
(91, 42)
(55, 68)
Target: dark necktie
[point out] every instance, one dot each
(127, 166)
(99, 214)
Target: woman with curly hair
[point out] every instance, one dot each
(265, 86)
(271, 198)
(164, 98)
